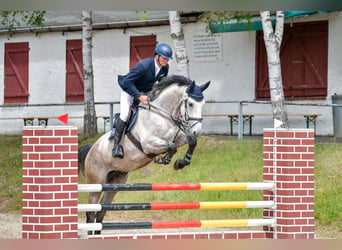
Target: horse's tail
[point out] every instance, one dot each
(82, 154)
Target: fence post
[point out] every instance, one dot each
(294, 164)
(50, 178)
(240, 121)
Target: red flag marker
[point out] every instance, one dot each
(64, 119)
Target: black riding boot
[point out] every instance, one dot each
(117, 149)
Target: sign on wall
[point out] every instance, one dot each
(207, 47)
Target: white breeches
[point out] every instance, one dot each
(126, 102)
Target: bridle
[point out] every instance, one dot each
(182, 121)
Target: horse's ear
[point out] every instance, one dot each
(204, 86)
(191, 87)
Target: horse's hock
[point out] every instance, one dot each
(50, 184)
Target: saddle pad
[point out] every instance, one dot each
(132, 119)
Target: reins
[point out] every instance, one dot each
(182, 124)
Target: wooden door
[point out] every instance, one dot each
(304, 61)
(16, 73)
(74, 71)
(141, 47)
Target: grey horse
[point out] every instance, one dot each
(172, 119)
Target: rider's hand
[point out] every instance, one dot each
(143, 99)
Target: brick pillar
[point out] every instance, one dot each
(294, 160)
(50, 182)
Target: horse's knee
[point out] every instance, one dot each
(171, 148)
(192, 141)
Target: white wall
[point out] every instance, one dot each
(232, 78)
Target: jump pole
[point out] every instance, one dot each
(174, 205)
(50, 186)
(176, 186)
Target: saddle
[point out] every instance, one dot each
(130, 122)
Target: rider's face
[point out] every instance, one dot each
(162, 61)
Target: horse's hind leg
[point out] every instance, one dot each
(93, 199)
(108, 196)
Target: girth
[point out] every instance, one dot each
(137, 144)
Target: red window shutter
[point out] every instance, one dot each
(74, 71)
(16, 73)
(304, 61)
(141, 47)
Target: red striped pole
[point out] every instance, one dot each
(175, 205)
(175, 186)
(176, 224)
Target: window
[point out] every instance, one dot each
(304, 61)
(16, 73)
(74, 71)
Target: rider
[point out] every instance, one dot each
(137, 82)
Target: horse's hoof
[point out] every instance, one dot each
(180, 164)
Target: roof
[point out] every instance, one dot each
(72, 20)
(234, 24)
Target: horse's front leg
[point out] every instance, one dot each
(181, 163)
(166, 158)
(155, 145)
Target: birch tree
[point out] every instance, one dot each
(12, 20)
(177, 36)
(90, 122)
(273, 39)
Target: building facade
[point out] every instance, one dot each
(46, 68)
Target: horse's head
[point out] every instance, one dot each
(183, 100)
(192, 106)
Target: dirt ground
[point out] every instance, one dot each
(11, 226)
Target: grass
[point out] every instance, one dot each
(328, 188)
(10, 173)
(215, 160)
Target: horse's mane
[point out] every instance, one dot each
(167, 81)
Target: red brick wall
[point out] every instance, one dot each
(294, 150)
(50, 180)
(182, 235)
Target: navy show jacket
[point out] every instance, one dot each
(142, 77)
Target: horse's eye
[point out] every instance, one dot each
(191, 105)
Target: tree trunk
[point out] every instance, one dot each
(90, 122)
(273, 41)
(177, 36)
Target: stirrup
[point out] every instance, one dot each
(112, 134)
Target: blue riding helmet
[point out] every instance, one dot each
(164, 50)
